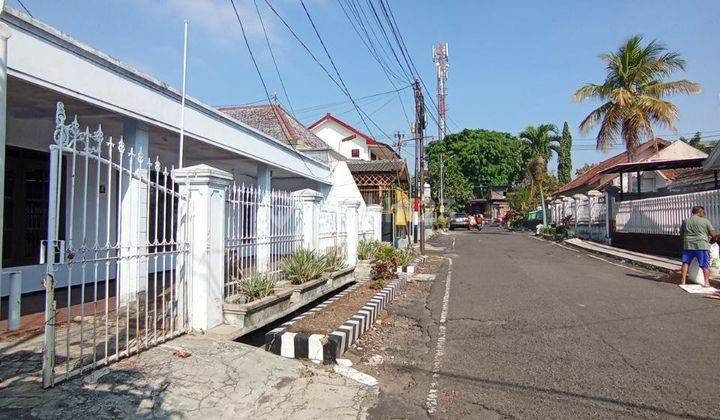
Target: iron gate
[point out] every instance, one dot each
(116, 252)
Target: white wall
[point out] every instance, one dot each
(333, 134)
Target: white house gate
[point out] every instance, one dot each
(116, 252)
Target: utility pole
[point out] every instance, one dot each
(420, 144)
(442, 183)
(440, 57)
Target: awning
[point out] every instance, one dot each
(654, 165)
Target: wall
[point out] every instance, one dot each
(333, 134)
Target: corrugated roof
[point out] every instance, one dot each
(274, 121)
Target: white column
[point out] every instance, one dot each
(133, 222)
(262, 220)
(4, 35)
(310, 200)
(374, 212)
(205, 186)
(350, 210)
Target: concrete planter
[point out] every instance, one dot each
(242, 318)
(326, 348)
(314, 289)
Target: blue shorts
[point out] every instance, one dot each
(702, 255)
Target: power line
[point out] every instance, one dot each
(331, 104)
(272, 54)
(25, 9)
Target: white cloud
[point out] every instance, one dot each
(215, 18)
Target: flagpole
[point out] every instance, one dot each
(182, 102)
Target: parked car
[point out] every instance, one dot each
(459, 220)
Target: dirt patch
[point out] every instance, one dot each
(430, 266)
(334, 315)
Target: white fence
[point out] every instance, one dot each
(586, 215)
(261, 228)
(663, 215)
(332, 236)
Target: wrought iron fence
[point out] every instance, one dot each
(115, 253)
(262, 228)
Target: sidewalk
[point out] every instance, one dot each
(218, 379)
(664, 264)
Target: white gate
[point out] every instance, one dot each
(116, 253)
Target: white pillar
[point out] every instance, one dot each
(133, 222)
(264, 184)
(374, 212)
(205, 187)
(350, 210)
(4, 35)
(310, 200)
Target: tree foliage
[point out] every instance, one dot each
(565, 156)
(475, 158)
(633, 94)
(697, 142)
(586, 167)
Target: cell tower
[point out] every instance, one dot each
(440, 57)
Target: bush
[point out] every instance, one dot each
(385, 252)
(332, 262)
(366, 249)
(441, 222)
(383, 271)
(304, 266)
(257, 286)
(406, 257)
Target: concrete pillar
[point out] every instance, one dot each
(205, 187)
(133, 219)
(4, 36)
(310, 200)
(374, 212)
(350, 210)
(262, 217)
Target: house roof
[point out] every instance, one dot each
(394, 166)
(329, 117)
(654, 165)
(273, 120)
(593, 177)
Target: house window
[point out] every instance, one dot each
(27, 179)
(355, 153)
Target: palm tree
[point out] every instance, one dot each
(633, 94)
(541, 141)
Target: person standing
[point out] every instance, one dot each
(695, 231)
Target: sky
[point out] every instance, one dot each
(512, 63)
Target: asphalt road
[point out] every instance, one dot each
(535, 330)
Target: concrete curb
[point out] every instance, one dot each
(326, 348)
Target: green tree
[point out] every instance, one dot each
(541, 142)
(475, 158)
(633, 94)
(565, 156)
(586, 167)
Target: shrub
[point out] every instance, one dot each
(366, 249)
(257, 286)
(383, 271)
(406, 257)
(441, 222)
(385, 252)
(304, 266)
(332, 262)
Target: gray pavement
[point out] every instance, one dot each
(219, 380)
(535, 330)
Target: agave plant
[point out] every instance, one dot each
(366, 249)
(257, 286)
(303, 266)
(332, 262)
(406, 257)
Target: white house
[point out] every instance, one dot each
(349, 141)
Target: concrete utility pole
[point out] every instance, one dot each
(420, 142)
(442, 183)
(440, 57)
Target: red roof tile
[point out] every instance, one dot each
(330, 117)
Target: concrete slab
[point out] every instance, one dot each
(219, 380)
